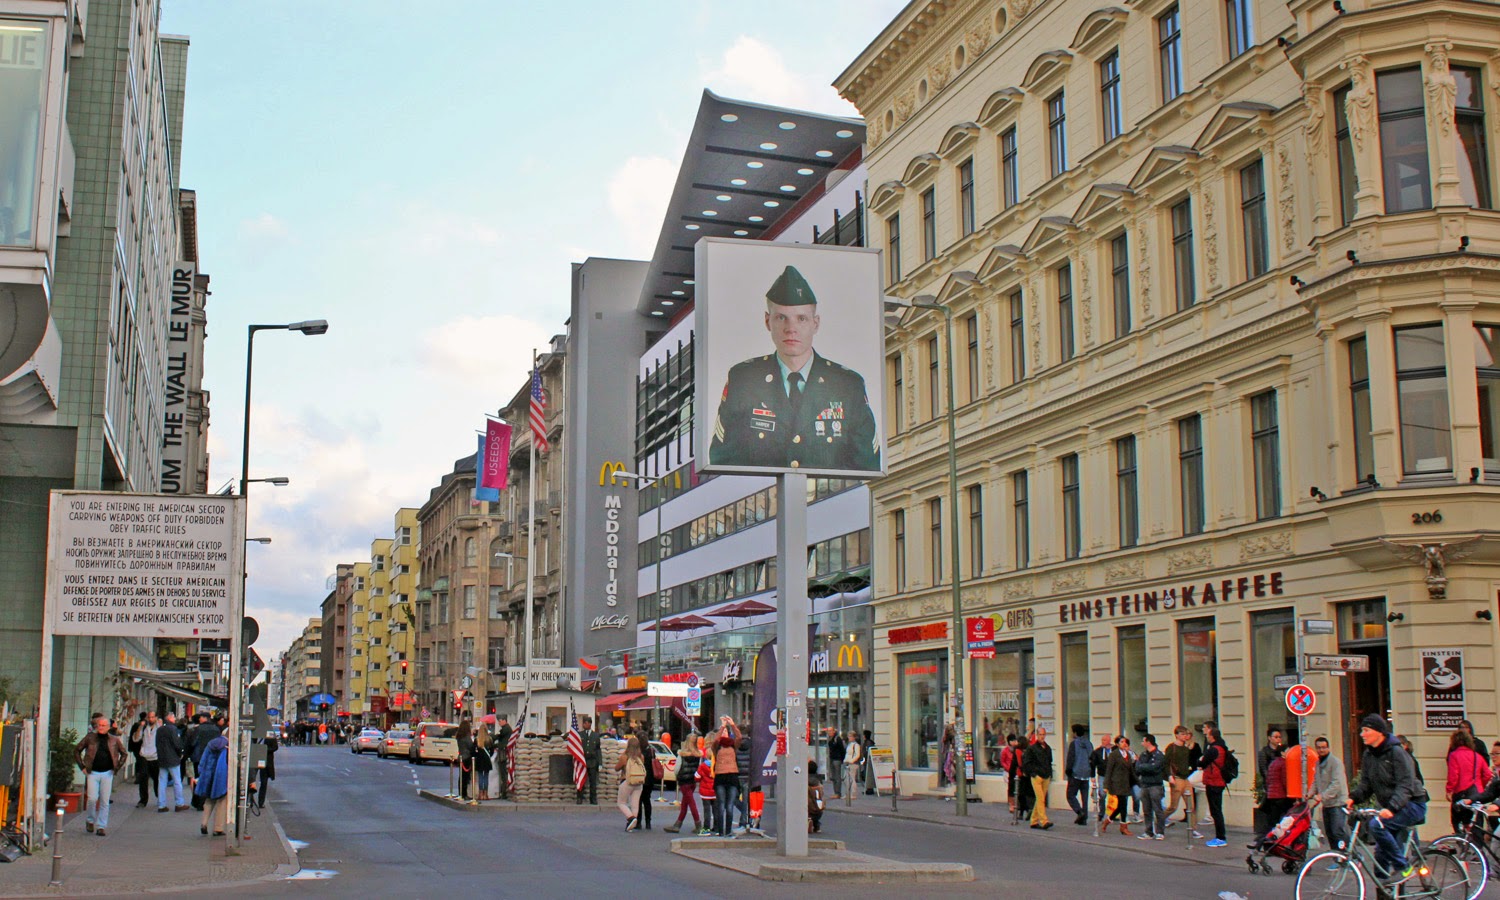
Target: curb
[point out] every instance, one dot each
(978, 826)
(508, 805)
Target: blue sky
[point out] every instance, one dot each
(422, 177)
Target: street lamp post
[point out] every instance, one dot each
(960, 782)
(236, 666)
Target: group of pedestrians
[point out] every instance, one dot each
(162, 749)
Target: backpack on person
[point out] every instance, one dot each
(1229, 765)
(635, 771)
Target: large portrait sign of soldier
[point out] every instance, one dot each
(790, 351)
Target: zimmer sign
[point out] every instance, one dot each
(144, 565)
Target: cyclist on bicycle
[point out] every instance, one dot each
(1388, 773)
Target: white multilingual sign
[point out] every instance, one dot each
(542, 677)
(667, 689)
(144, 565)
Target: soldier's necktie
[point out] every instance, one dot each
(794, 390)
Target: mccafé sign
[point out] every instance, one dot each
(1186, 596)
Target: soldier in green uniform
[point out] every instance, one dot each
(794, 408)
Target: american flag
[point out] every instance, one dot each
(511, 745)
(575, 748)
(538, 411)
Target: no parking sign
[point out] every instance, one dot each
(694, 700)
(1300, 700)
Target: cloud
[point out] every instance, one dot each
(755, 71)
(639, 192)
(467, 347)
(264, 227)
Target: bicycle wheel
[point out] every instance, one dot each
(1331, 874)
(1476, 867)
(1444, 878)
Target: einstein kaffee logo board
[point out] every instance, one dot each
(1443, 702)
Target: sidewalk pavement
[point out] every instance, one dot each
(150, 852)
(997, 817)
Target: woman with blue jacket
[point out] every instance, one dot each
(213, 783)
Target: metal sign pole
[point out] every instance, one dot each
(791, 662)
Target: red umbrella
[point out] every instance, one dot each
(744, 610)
(689, 622)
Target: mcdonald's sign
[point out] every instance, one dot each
(846, 658)
(609, 470)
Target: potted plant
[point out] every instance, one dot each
(61, 766)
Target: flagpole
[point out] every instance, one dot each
(530, 551)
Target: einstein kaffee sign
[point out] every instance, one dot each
(144, 565)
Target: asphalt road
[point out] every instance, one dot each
(367, 833)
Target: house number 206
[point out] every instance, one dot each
(1427, 518)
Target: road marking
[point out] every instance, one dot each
(312, 875)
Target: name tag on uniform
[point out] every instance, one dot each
(762, 425)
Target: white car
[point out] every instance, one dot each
(668, 761)
(368, 739)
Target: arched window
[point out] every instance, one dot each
(471, 557)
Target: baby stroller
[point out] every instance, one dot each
(1287, 842)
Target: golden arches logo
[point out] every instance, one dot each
(610, 470)
(851, 656)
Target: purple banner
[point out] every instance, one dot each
(763, 719)
(496, 455)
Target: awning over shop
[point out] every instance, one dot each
(187, 694)
(606, 706)
(677, 705)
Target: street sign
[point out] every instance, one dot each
(694, 702)
(541, 678)
(466, 682)
(667, 689)
(1315, 663)
(1301, 700)
(1317, 626)
(1282, 682)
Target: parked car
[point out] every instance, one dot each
(367, 739)
(434, 741)
(396, 743)
(668, 761)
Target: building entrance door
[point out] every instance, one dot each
(1362, 630)
(834, 707)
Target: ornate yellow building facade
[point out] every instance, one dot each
(1225, 290)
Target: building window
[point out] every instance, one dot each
(1403, 140)
(466, 652)
(1109, 95)
(935, 538)
(1065, 346)
(898, 529)
(1003, 694)
(1021, 518)
(1010, 169)
(1273, 653)
(1473, 151)
(1253, 219)
(1190, 473)
(21, 122)
(1359, 401)
(966, 196)
(893, 248)
(1057, 132)
(1422, 393)
(924, 680)
(497, 602)
(1343, 146)
(898, 387)
(929, 223)
(471, 555)
(1198, 671)
(934, 395)
(1265, 441)
(471, 601)
(971, 335)
(1487, 358)
(1017, 337)
(1184, 277)
(1072, 508)
(1132, 675)
(1119, 280)
(976, 530)
(1074, 652)
(1169, 52)
(1127, 492)
(1241, 15)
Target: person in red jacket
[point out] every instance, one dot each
(1468, 773)
(1213, 780)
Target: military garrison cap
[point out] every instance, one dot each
(791, 289)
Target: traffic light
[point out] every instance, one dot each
(403, 667)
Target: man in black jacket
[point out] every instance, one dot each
(503, 731)
(593, 755)
(1036, 764)
(1387, 773)
(169, 764)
